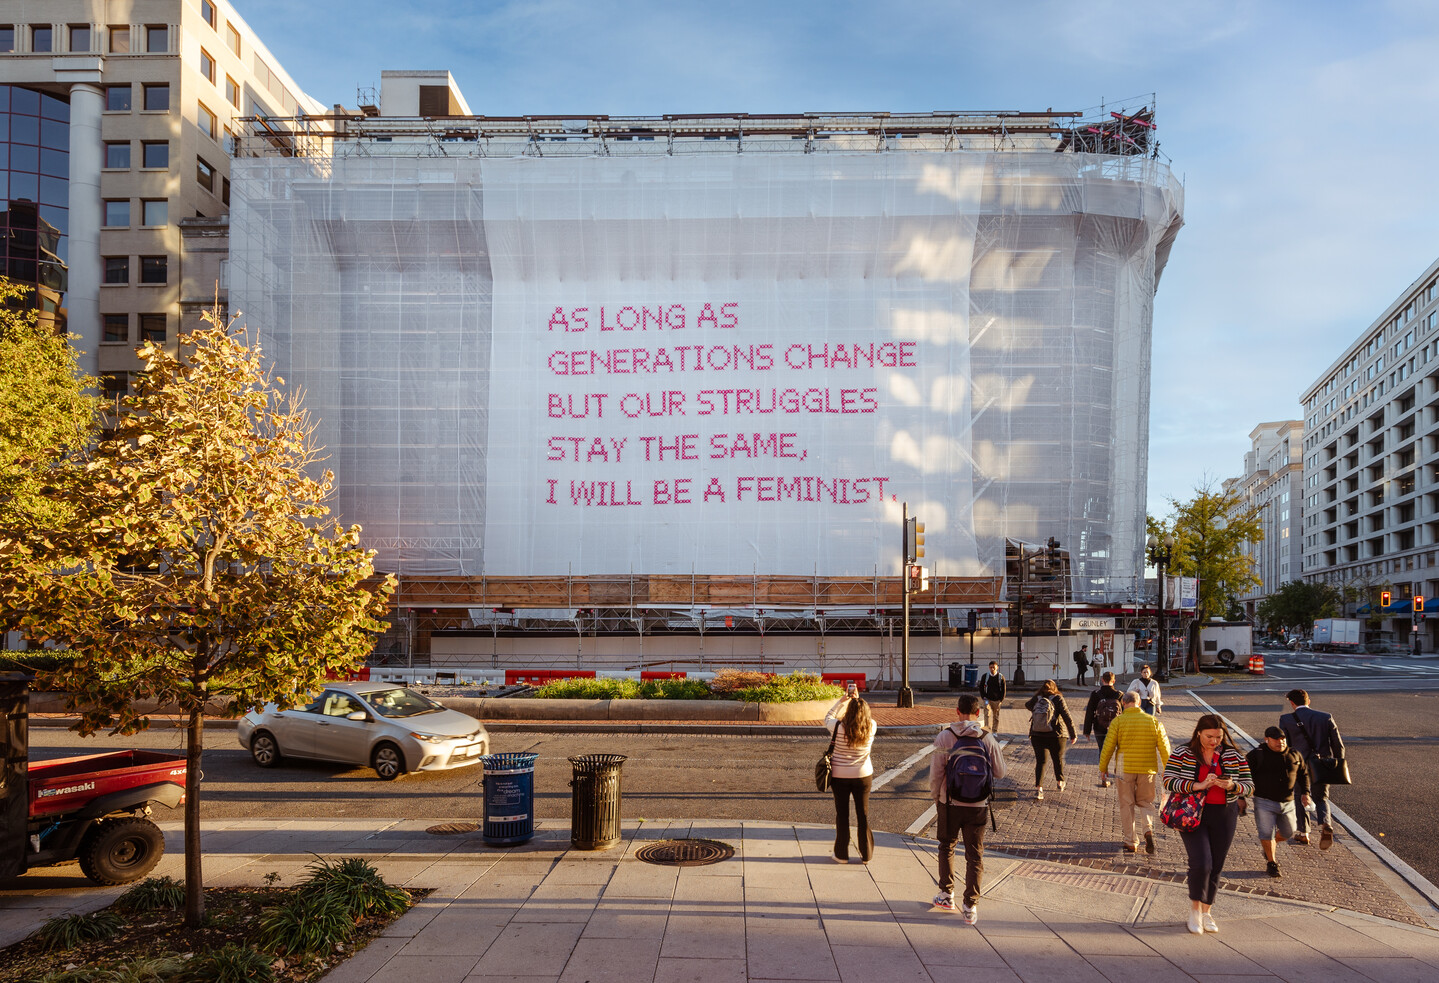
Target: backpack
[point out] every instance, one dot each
(1106, 711)
(1041, 719)
(968, 777)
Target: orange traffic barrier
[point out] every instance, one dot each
(1256, 664)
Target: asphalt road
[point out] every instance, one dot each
(1387, 710)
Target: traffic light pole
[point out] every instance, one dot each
(906, 695)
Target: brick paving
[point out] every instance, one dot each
(1081, 826)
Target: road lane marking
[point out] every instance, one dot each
(901, 768)
(1415, 879)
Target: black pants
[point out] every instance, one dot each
(1208, 846)
(966, 822)
(843, 788)
(1051, 743)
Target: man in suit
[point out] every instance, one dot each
(1313, 734)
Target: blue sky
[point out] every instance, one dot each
(1306, 134)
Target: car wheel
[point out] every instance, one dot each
(387, 761)
(264, 749)
(121, 850)
(1226, 657)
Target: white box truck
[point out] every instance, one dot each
(1225, 645)
(1336, 635)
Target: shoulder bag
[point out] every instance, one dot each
(1183, 810)
(821, 768)
(1332, 771)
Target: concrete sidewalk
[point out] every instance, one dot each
(779, 909)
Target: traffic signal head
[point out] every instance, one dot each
(918, 539)
(913, 540)
(1384, 597)
(1418, 602)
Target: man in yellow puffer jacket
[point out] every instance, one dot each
(1143, 748)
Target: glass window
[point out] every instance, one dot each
(152, 327)
(80, 38)
(42, 38)
(7, 37)
(234, 39)
(156, 155)
(157, 97)
(119, 40)
(206, 121)
(117, 212)
(157, 38)
(207, 65)
(117, 270)
(232, 92)
(153, 269)
(207, 11)
(117, 154)
(204, 174)
(156, 211)
(117, 327)
(117, 98)
(225, 190)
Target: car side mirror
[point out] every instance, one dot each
(358, 715)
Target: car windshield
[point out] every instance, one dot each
(401, 702)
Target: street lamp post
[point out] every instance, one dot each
(1161, 553)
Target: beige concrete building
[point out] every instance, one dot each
(1273, 482)
(120, 117)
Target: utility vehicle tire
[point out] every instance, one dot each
(388, 761)
(264, 749)
(1226, 656)
(118, 851)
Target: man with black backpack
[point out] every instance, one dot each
(1102, 709)
(966, 763)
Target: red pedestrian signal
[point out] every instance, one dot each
(1418, 602)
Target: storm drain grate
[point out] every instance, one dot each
(450, 829)
(685, 853)
(1094, 882)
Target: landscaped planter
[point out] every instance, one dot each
(511, 708)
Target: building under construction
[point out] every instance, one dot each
(657, 389)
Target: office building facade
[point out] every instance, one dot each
(1272, 484)
(118, 123)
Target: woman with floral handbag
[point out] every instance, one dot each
(1206, 777)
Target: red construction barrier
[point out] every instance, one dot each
(538, 677)
(361, 676)
(845, 678)
(660, 674)
(1256, 665)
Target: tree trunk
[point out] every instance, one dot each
(194, 878)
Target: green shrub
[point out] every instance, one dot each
(230, 964)
(35, 662)
(358, 884)
(70, 931)
(580, 688)
(308, 922)
(153, 894)
(794, 688)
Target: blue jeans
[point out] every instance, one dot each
(1319, 794)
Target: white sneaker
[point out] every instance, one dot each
(944, 900)
(971, 914)
(1061, 786)
(1039, 792)
(1195, 925)
(1209, 924)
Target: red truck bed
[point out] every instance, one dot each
(66, 784)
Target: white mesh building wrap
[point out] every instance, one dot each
(668, 357)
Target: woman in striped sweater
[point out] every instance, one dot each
(1211, 765)
(852, 725)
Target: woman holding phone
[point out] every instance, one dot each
(851, 771)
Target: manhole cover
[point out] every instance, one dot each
(685, 853)
(450, 829)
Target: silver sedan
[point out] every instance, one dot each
(390, 728)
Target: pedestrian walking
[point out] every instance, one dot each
(1081, 664)
(1143, 748)
(851, 771)
(962, 771)
(1279, 776)
(1103, 707)
(1148, 689)
(1211, 767)
(993, 688)
(1048, 718)
(1314, 735)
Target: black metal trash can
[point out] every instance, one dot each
(509, 798)
(595, 801)
(956, 679)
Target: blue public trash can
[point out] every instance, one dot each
(509, 798)
(971, 677)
